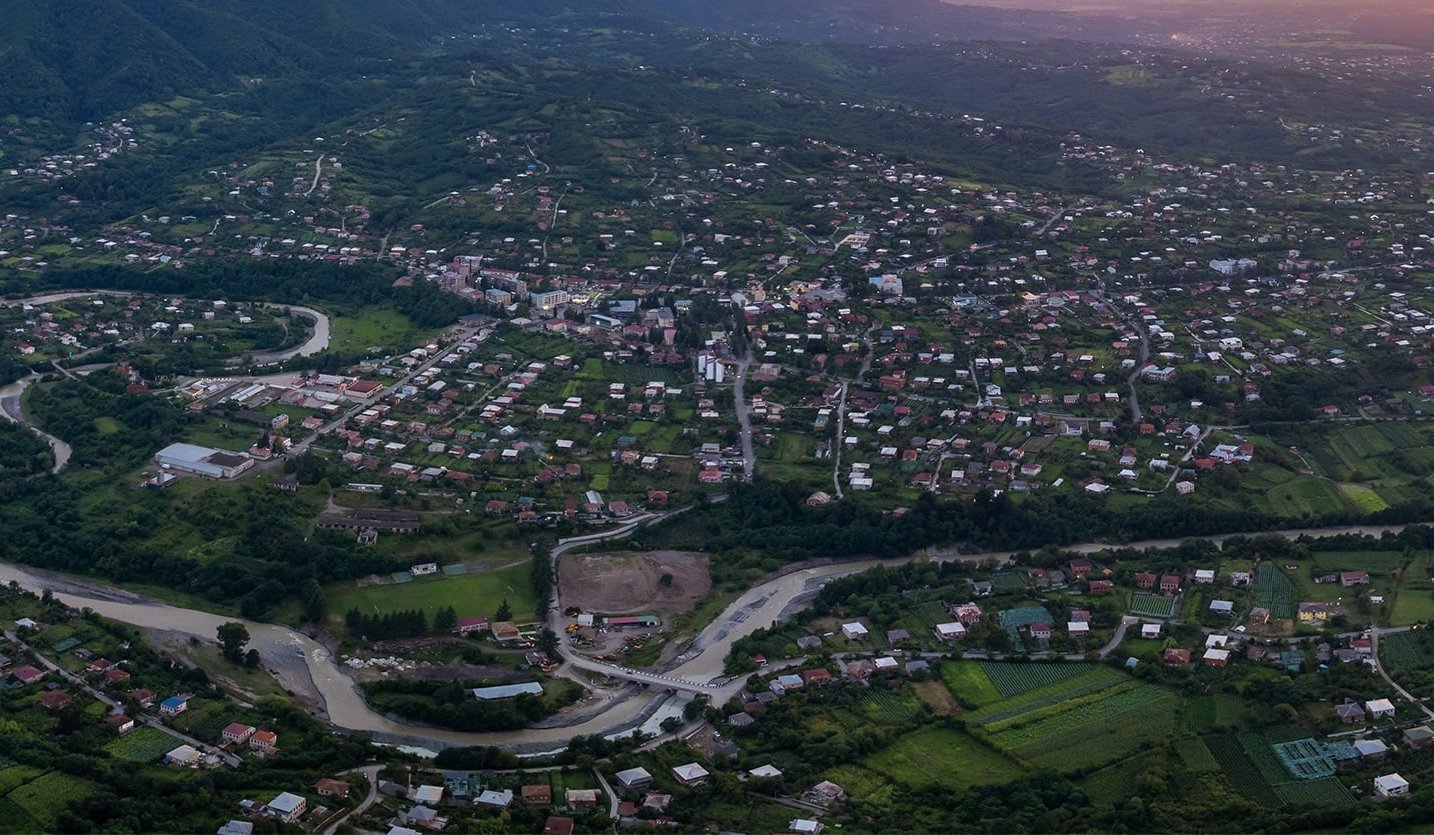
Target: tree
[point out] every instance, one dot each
(445, 620)
(232, 639)
(505, 612)
(548, 643)
(251, 659)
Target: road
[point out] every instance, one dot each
(371, 772)
(839, 440)
(115, 706)
(1374, 648)
(318, 171)
(744, 417)
(306, 667)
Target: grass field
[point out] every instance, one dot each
(1404, 651)
(936, 694)
(968, 682)
(862, 783)
(372, 327)
(45, 797)
(469, 594)
(1093, 731)
(1060, 693)
(1375, 562)
(1305, 497)
(942, 758)
(142, 745)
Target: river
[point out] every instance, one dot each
(306, 667)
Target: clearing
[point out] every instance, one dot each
(617, 583)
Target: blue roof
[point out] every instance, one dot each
(172, 701)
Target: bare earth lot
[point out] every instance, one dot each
(629, 582)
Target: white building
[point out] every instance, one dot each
(203, 461)
(854, 631)
(1391, 785)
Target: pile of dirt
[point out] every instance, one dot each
(633, 582)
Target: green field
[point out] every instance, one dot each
(469, 594)
(1275, 591)
(1152, 605)
(1085, 733)
(1375, 562)
(142, 745)
(1405, 651)
(1015, 679)
(969, 683)
(1305, 497)
(1092, 680)
(942, 758)
(45, 797)
(371, 327)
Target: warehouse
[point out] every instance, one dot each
(204, 461)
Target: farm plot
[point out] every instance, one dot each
(1015, 679)
(1276, 592)
(1404, 651)
(1240, 771)
(1375, 562)
(45, 797)
(968, 682)
(886, 708)
(1152, 605)
(943, 758)
(144, 745)
(861, 783)
(1095, 712)
(1065, 691)
(1329, 791)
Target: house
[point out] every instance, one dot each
(494, 799)
(581, 798)
(634, 778)
(1391, 785)
(1313, 613)
(1145, 580)
(1371, 749)
(174, 705)
(967, 613)
(427, 795)
(538, 794)
(237, 733)
(1353, 578)
(1379, 709)
(1149, 631)
(263, 741)
(558, 825)
(1101, 586)
(506, 630)
(55, 700)
(816, 675)
(1170, 584)
(1350, 713)
(28, 674)
(897, 636)
(286, 806)
(1259, 616)
(473, 624)
(234, 827)
(824, 794)
(1039, 631)
(1176, 657)
(424, 817)
(1215, 657)
(950, 631)
(329, 787)
(1222, 607)
(1204, 575)
(120, 722)
(765, 772)
(115, 675)
(1418, 736)
(1078, 628)
(184, 755)
(690, 774)
(854, 631)
(804, 826)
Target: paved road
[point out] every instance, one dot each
(306, 667)
(371, 772)
(1379, 667)
(149, 720)
(744, 417)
